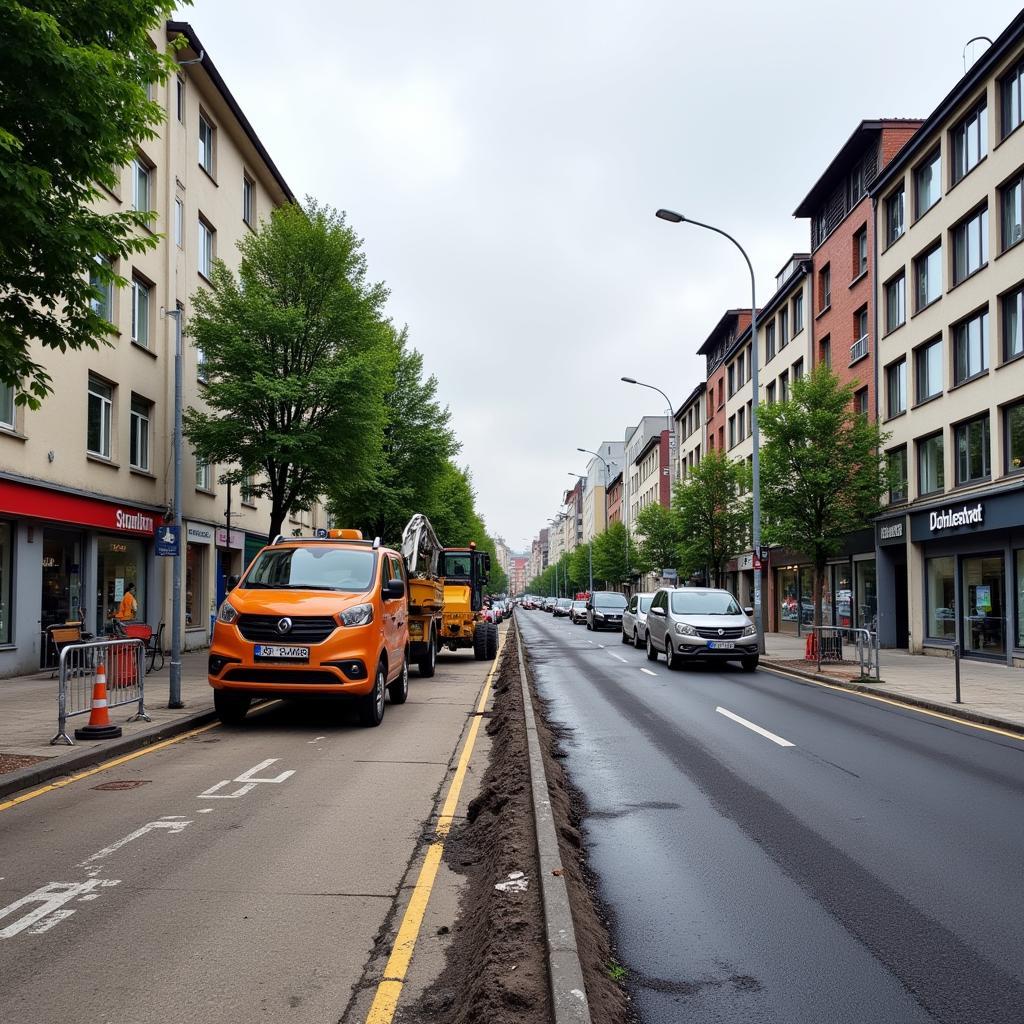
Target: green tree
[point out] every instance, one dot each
(417, 446)
(73, 108)
(821, 473)
(296, 359)
(579, 566)
(660, 537)
(615, 555)
(712, 516)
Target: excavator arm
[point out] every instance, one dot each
(420, 547)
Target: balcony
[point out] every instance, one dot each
(859, 349)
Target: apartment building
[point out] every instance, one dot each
(949, 216)
(690, 433)
(503, 554)
(651, 470)
(86, 480)
(718, 344)
(519, 574)
(615, 499)
(600, 471)
(638, 439)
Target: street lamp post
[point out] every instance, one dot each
(174, 697)
(607, 481)
(677, 218)
(590, 546)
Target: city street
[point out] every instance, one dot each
(237, 875)
(775, 851)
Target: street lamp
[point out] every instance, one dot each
(174, 698)
(670, 420)
(590, 546)
(677, 218)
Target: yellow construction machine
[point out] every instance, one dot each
(422, 551)
(465, 571)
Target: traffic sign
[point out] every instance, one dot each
(168, 541)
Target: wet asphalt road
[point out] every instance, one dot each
(871, 873)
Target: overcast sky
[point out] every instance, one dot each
(504, 161)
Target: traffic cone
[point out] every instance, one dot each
(99, 727)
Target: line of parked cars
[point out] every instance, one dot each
(685, 624)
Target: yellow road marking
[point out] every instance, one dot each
(106, 766)
(896, 703)
(389, 989)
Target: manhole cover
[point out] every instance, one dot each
(110, 787)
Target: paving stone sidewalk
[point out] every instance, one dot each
(989, 692)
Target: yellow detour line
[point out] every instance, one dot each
(106, 766)
(385, 1000)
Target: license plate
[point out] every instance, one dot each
(276, 651)
(721, 645)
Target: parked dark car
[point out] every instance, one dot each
(604, 609)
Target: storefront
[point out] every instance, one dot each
(199, 594)
(963, 562)
(230, 551)
(65, 557)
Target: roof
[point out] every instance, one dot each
(701, 387)
(183, 28)
(848, 155)
(712, 338)
(614, 480)
(653, 441)
(1010, 37)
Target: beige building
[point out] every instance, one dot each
(690, 432)
(600, 472)
(87, 480)
(950, 307)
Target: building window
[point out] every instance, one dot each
(798, 369)
(895, 220)
(825, 348)
(930, 468)
(783, 328)
(1010, 91)
(247, 488)
(104, 305)
(970, 348)
(140, 312)
(179, 223)
(101, 404)
(1012, 306)
(970, 245)
(972, 451)
(928, 370)
(141, 182)
(896, 387)
(928, 276)
(181, 99)
(204, 475)
(139, 434)
(6, 588)
(860, 252)
(941, 578)
(769, 393)
(784, 386)
(7, 406)
(206, 250)
(968, 142)
(896, 461)
(859, 349)
(731, 373)
(741, 425)
(1011, 206)
(248, 201)
(769, 339)
(824, 287)
(1014, 419)
(732, 431)
(927, 184)
(896, 302)
(860, 401)
(798, 313)
(206, 144)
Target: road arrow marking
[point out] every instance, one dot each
(174, 827)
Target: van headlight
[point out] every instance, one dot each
(227, 613)
(749, 631)
(685, 629)
(357, 615)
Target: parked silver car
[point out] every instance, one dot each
(634, 620)
(578, 612)
(562, 607)
(700, 624)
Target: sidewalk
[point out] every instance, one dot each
(29, 720)
(992, 694)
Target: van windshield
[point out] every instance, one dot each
(314, 568)
(689, 602)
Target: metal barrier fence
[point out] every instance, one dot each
(829, 645)
(124, 662)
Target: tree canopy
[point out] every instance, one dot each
(73, 109)
(660, 537)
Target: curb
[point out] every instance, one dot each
(565, 973)
(950, 710)
(36, 774)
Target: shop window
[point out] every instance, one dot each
(897, 467)
(195, 585)
(6, 546)
(1012, 306)
(1019, 572)
(941, 583)
(786, 587)
(867, 594)
(973, 450)
(984, 626)
(1014, 419)
(120, 562)
(930, 467)
(100, 408)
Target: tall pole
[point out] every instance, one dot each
(174, 700)
(678, 218)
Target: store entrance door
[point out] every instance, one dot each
(983, 627)
(62, 586)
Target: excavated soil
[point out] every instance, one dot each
(496, 969)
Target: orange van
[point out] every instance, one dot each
(314, 617)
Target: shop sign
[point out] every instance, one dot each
(968, 515)
(236, 539)
(746, 562)
(167, 541)
(892, 532)
(75, 509)
(195, 533)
